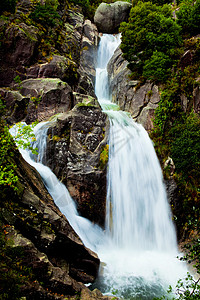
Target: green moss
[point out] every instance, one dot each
(103, 160)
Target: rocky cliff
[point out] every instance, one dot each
(49, 70)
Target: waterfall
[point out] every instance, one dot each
(57, 190)
(138, 248)
(138, 214)
(140, 254)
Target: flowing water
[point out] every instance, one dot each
(140, 255)
(138, 247)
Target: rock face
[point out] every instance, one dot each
(141, 101)
(37, 99)
(18, 51)
(88, 59)
(75, 145)
(51, 248)
(109, 16)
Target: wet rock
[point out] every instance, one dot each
(54, 279)
(74, 147)
(140, 101)
(16, 106)
(94, 295)
(58, 67)
(186, 59)
(109, 16)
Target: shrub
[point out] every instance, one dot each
(185, 148)
(150, 29)
(46, 15)
(157, 68)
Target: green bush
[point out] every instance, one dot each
(150, 28)
(185, 148)
(157, 68)
(189, 17)
(46, 15)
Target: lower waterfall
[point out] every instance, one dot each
(138, 247)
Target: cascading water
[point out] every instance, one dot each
(57, 190)
(141, 249)
(138, 213)
(138, 247)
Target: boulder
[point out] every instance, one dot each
(48, 96)
(73, 153)
(109, 16)
(21, 42)
(140, 101)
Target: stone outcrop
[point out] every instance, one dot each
(75, 144)
(88, 59)
(109, 16)
(58, 67)
(18, 51)
(140, 101)
(37, 99)
(51, 248)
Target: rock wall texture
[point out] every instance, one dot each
(35, 85)
(51, 248)
(75, 144)
(140, 101)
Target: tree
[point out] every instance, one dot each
(189, 17)
(150, 28)
(157, 68)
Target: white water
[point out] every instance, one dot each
(138, 248)
(141, 249)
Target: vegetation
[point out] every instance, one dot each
(104, 156)
(13, 274)
(23, 138)
(153, 42)
(149, 41)
(8, 177)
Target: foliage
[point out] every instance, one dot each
(46, 15)
(157, 68)
(169, 107)
(24, 136)
(7, 5)
(104, 156)
(150, 33)
(186, 289)
(189, 17)
(185, 147)
(8, 177)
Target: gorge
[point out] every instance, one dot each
(138, 248)
(88, 217)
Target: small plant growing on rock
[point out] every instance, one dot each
(104, 156)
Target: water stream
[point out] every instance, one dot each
(138, 247)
